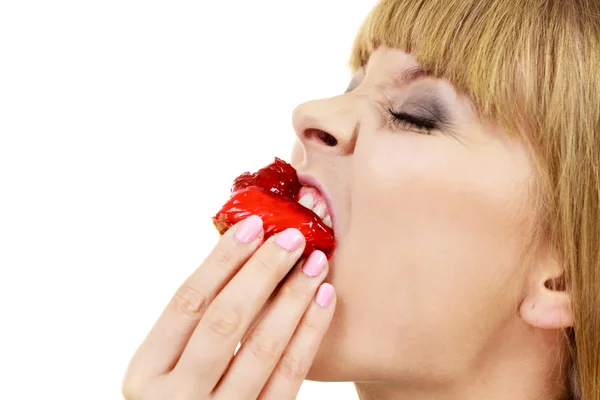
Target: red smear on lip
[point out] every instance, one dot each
(271, 194)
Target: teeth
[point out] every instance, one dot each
(307, 201)
(320, 210)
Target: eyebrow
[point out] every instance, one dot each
(402, 77)
(410, 75)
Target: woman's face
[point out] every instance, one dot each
(430, 225)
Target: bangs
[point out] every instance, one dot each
(514, 59)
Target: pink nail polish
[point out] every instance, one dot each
(324, 295)
(290, 239)
(315, 263)
(249, 229)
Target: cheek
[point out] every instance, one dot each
(441, 232)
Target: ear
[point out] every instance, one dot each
(544, 306)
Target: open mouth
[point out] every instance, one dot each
(311, 198)
(275, 194)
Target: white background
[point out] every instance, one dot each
(122, 125)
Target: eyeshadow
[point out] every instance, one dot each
(427, 107)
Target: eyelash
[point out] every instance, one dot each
(405, 120)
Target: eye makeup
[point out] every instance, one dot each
(425, 113)
(423, 110)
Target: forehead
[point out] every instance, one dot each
(394, 68)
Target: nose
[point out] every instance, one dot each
(329, 125)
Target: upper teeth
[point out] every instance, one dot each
(320, 209)
(307, 201)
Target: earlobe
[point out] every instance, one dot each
(546, 308)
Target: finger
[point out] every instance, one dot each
(260, 352)
(164, 344)
(213, 342)
(292, 368)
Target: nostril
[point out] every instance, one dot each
(325, 137)
(328, 139)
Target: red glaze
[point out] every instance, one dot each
(278, 179)
(270, 193)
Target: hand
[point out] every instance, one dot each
(189, 353)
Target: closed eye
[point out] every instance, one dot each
(408, 121)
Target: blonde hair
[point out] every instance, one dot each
(534, 67)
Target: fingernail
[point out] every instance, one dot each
(324, 295)
(315, 263)
(290, 239)
(249, 229)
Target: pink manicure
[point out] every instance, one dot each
(315, 263)
(249, 229)
(290, 239)
(324, 295)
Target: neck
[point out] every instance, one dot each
(523, 366)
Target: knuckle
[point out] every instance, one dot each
(189, 302)
(225, 320)
(264, 264)
(224, 255)
(296, 292)
(262, 346)
(310, 327)
(292, 368)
